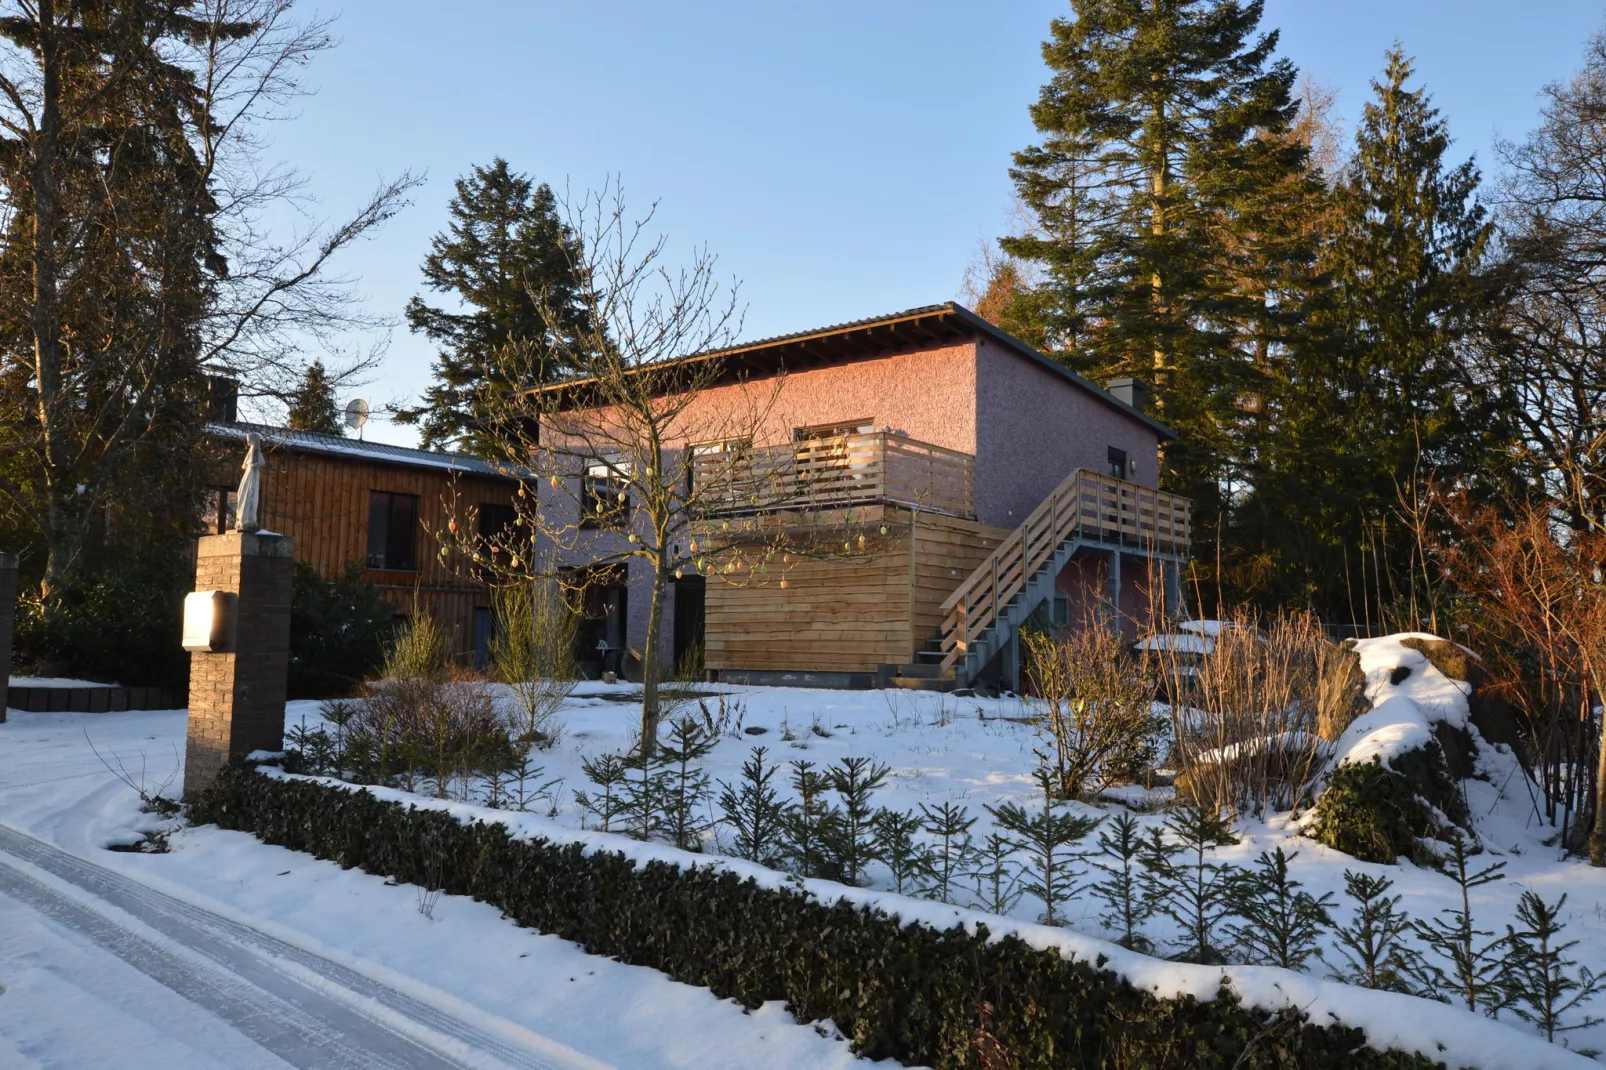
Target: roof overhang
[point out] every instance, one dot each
(901, 332)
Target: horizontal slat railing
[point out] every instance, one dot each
(837, 471)
(1091, 505)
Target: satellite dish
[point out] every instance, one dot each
(356, 413)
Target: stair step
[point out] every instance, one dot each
(923, 683)
(925, 671)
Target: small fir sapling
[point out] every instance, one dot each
(1049, 840)
(1126, 902)
(609, 773)
(1542, 982)
(809, 825)
(1188, 888)
(525, 786)
(953, 850)
(1474, 969)
(754, 811)
(686, 785)
(645, 790)
(909, 860)
(852, 838)
(1279, 925)
(998, 886)
(1373, 943)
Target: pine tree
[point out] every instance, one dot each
(609, 773)
(1542, 982)
(313, 407)
(953, 849)
(1476, 966)
(1127, 906)
(506, 256)
(852, 838)
(1279, 925)
(1162, 153)
(1048, 839)
(754, 811)
(1373, 943)
(998, 886)
(1195, 893)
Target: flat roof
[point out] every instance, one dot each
(867, 339)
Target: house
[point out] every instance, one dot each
(1000, 481)
(345, 500)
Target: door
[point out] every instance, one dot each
(690, 595)
(484, 629)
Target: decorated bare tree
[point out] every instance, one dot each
(634, 461)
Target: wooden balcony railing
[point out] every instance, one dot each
(1088, 505)
(828, 473)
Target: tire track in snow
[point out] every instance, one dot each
(301, 1006)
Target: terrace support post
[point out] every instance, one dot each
(8, 619)
(1010, 663)
(237, 688)
(1174, 609)
(1115, 589)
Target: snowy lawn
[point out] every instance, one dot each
(972, 752)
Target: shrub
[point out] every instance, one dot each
(1098, 724)
(338, 631)
(1381, 812)
(120, 624)
(908, 992)
(533, 651)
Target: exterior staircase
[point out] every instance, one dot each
(986, 611)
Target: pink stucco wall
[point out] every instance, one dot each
(1034, 427)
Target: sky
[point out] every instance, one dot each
(842, 159)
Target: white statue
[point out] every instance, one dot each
(248, 501)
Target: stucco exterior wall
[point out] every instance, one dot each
(1035, 427)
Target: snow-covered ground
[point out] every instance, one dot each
(970, 751)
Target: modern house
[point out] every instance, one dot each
(1000, 481)
(345, 500)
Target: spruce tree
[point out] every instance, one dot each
(754, 811)
(1194, 892)
(1048, 839)
(852, 838)
(1278, 924)
(1474, 966)
(1163, 150)
(313, 407)
(953, 847)
(1126, 904)
(1542, 982)
(1373, 943)
(508, 259)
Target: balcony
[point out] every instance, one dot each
(874, 468)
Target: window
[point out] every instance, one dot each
(219, 509)
(392, 530)
(821, 452)
(1117, 463)
(604, 502)
(837, 430)
(497, 529)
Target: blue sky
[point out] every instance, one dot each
(843, 159)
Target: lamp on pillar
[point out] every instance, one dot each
(237, 630)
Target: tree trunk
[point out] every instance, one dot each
(1597, 836)
(60, 532)
(650, 670)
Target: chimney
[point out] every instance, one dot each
(1130, 392)
(222, 399)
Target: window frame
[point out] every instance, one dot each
(1110, 455)
(595, 474)
(391, 538)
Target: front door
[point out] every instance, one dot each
(690, 595)
(484, 629)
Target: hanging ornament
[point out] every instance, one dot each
(783, 585)
(883, 529)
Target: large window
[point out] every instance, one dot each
(498, 532)
(604, 497)
(392, 530)
(723, 462)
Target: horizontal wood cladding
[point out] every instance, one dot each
(322, 503)
(848, 615)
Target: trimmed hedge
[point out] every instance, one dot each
(944, 999)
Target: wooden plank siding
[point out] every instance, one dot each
(321, 501)
(848, 615)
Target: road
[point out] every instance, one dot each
(221, 991)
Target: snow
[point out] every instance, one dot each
(975, 752)
(53, 681)
(1403, 714)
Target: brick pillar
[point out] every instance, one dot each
(237, 696)
(8, 616)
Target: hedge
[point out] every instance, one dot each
(944, 999)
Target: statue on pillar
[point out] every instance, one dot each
(248, 501)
